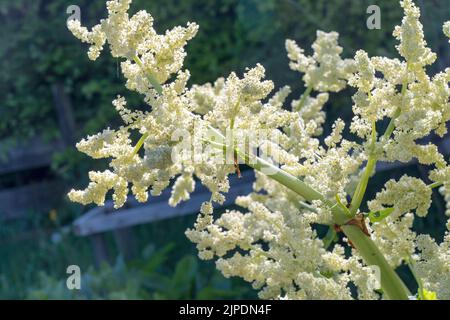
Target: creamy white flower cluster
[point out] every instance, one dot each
(403, 196)
(446, 29)
(419, 108)
(442, 176)
(325, 70)
(127, 37)
(274, 246)
(272, 242)
(433, 264)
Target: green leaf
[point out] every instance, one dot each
(378, 216)
(330, 237)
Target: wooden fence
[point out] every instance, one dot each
(95, 223)
(36, 153)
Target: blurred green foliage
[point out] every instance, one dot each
(147, 278)
(35, 267)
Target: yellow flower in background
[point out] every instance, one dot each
(53, 215)
(429, 295)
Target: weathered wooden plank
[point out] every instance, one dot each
(156, 209)
(35, 153)
(16, 203)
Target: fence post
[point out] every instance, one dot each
(65, 114)
(126, 243)
(100, 249)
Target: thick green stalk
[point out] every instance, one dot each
(295, 184)
(391, 283)
(285, 178)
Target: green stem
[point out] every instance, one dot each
(372, 160)
(294, 184)
(329, 237)
(151, 78)
(309, 207)
(139, 144)
(302, 101)
(286, 179)
(364, 181)
(362, 185)
(391, 126)
(391, 283)
(435, 185)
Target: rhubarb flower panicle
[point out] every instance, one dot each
(272, 241)
(325, 70)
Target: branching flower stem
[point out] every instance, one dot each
(151, 78)
(364, 181)
(303, 98)
(157, 86)
(391, 283)
(372, 160)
